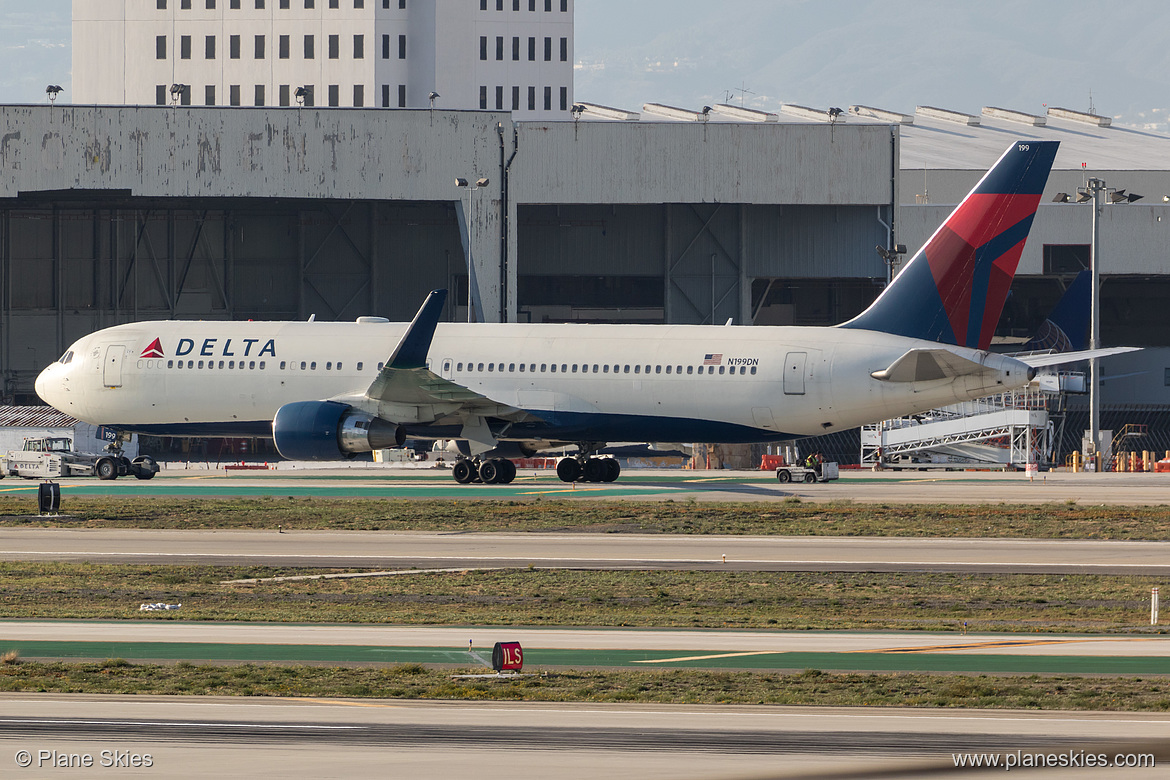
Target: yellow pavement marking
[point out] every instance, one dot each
(1005, 643)
(705, 657)
(343, 703)
(14, 490)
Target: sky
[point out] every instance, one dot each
(894, 54)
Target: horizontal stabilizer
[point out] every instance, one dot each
(923, 365)
(1060, 358)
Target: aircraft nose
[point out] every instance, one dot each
(42, 384)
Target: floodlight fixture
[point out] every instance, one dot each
(1061, 197)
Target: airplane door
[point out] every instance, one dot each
(446, 368)
(794, 363)
(112, 367)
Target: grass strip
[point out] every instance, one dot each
(414, 681)
(788, 517)
(535, 597)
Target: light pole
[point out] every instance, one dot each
(471, 190)
(1096, 188)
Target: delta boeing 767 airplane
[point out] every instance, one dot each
(327, 391)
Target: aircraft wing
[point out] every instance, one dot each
(1060, 358)
(923, 365)
(407, 391)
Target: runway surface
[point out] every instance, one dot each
(646, 649)
(642, 484)
(395, 550)
(224, 737)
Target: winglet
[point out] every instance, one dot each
(412, 350)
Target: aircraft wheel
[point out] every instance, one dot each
(612, 469)
(489, 471)
(569, 470)
(508, 471)
(143, 467)
(463, 472)
(594, 470)
(810, 478)
(784, 475)
(106, 468)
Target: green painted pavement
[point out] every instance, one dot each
(697, 659)
(356, 491)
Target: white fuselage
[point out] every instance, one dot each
(657, 382)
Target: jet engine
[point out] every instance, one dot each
(328, 430)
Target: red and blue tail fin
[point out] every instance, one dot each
(954, 289)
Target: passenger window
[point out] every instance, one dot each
(742, 370)
(565, 368)
(637, 369)
(617, 368)
(380, 366)
(521, 368)
(690, 369)
(678, 369)
(554, 367)
(458, 367)
(595, 368)
(251, 364)
(201, 364)
(574, 368)
(140, 362)
(491, 366)
(170, 363)
(190, 364)
(312, 365)
(221, 364)
(283, 363)
(720, 369)
(511, 366)
(359, 365)
(480, 367)
(668, 369)
(657, 369)
(753, 370)
(711, 369)
(544, 367)
(262, 365)
(606, 369)
(329, 366)
(532, 367)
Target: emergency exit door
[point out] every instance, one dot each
(794, 363)
(112, 367)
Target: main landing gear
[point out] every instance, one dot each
(493, 471)
(587, 468)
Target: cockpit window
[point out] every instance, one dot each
(66, 358)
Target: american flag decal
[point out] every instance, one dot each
(713, 360)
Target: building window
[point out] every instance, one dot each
(548, 49)
(359, 47)
(308, 3)
(402, 96)
(185, 5)
(401, 4)
(532, 98)
(234, 47)
(483, 5)
(284, 5)
(515, 5)
(259, 101)
(564, 6)
(385, 96)
(1166, 377)
(234, 94)
(235, 4)
(259, 4)
(259, 47)
(1066, 258)
(531, 5)
(499, 47)
(564, 49)
(499, 98)
(359, 95)
(483, 47)
(160, 94)
(499, 5)
(160, 47)
(284, 94)
(333, 3)
(483, 97)
(334, 95)
(283, 47)
(356, 4)
(564, 98)
(184, 47)
(548, 98)
(161, 5)
(308, 40)
(401, 47)
(310, 92)
(515, 48)
(210, 5)
(532, 49)
(515, 98)
(386, 47)
(209, 95)
(334, 47)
